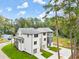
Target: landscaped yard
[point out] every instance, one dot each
(13, 53)
(63, 42)
(3, 40)
(46, 54)
(55, 49)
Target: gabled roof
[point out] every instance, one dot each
(19, 38)
(34, 30)
(45, 30)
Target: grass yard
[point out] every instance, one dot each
(63, 42)
(13, 53)
(46, 54)
(3, 40)
(55, 49)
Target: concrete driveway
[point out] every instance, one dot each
(2, 55)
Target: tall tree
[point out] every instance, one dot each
(68, 10)
(54, 7)
(76, 11)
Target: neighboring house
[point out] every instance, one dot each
(32, 40)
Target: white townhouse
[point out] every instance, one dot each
(31, 40)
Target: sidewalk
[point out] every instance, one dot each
(39, 56)
(2, 55)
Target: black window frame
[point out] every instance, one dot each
(44, 39)
(44, 34)
(35, 42)
(22, 41)
(35, 35)
(27, 35)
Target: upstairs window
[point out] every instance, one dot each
(22, 41)
(44, 39)
(44, 34)
(35, 35)
(27, 35)
(35, 42)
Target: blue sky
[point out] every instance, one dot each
(22, 8)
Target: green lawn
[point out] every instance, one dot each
(55, 49)
(46, 54)
(13, 53)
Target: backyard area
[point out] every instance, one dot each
(63, 42)
(13, 53)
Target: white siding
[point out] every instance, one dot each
(27, 43)
(20, 46)
(42, 40)
(37, 46)
(18, 33)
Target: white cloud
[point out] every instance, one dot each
(0, 11)
(39, 1)
(41, 15)
(9, 9)
(51, 14)
(24, 5)
(21, 13)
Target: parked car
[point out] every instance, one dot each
(6, 36)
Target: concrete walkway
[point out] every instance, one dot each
(64, 54)
(39, 56)
(2, 55)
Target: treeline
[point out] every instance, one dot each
(10, 26)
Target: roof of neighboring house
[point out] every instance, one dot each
(34, 30)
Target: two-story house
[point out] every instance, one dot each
(32, 40)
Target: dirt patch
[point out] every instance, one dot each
(3, 40)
